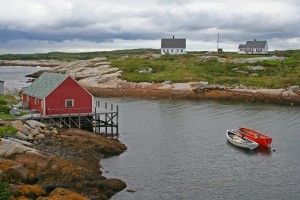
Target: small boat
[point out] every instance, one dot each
(262, 139)
(237, 140)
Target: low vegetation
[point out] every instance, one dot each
(188, 68)
(7, 131)
(76, 56)
(5, 104)
(5, 194)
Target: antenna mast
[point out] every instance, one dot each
(218, 44)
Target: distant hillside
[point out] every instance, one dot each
(77, 56)
(63, 56)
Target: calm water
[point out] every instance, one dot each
(14, 76)
(178, 150)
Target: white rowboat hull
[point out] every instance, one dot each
(241, 142)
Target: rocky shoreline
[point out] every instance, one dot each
(46, 163)
(43, 162)
(102, 80)
(288, 96)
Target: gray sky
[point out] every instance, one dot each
(39, 26)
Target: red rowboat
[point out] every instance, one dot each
(262, 139)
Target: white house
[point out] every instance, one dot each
(173, 46)
(1, 87)
(253, 47)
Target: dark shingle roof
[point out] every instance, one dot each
(45, 84)
(256, 44)
(242, 46)
(173, 43)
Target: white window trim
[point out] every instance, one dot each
(72, 100)
(36, 101)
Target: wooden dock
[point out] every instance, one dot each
(102, 120)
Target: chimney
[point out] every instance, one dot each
(173, 36)
(254, 39)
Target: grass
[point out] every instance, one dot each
(76, 56)
(7, 100)
(7, 131)
(6, 116)
(186, 68)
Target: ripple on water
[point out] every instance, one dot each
(178, 150)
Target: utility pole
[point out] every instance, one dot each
(218, 44)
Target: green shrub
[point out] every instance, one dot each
(4, 109)
(2, 102)
(5, 194)
(7, 130)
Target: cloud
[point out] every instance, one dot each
(98, 22)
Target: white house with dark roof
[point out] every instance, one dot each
(253, 47)
(173, 46)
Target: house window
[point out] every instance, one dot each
(172, 50)
(69, 103)
(36, 101)
(181, 50)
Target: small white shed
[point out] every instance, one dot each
(1, 87)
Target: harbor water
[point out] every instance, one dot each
(14, 76)
(178, 150)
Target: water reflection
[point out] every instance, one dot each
(242, 150)
(263, 151)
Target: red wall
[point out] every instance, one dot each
(31, 103)
(69, 89)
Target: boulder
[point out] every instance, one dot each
(26, 129)
(6, 164)
(294, 87)
(29, 191)
(34, 123)
(115, 185)
(28, 144)
(33, 158)
(63, 194)
(9, 150)
(35, 131)
(18, 171)
(258, 67)
(30, 136)
(19, 135)
(39, 137)
(17, 124)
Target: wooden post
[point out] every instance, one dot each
(106, 123)
(70, 119)
(112, 125)
(79, 124)
(94, 124)
(117, 120)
